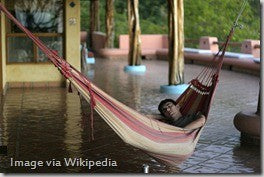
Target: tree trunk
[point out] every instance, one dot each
(134, 56)
(97, 15)
(94, 20)
(176, 42)
(109, 24)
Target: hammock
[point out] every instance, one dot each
(164, 142)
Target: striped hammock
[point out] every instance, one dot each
(164, 142)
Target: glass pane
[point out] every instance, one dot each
(20, 49)
(54, 43)
(43, 16)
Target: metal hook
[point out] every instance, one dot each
(240, 26)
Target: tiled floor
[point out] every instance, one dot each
(45, 124)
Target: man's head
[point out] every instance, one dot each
(169, 109)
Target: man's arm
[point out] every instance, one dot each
(158, 117)
(155, 116)
(196, 123)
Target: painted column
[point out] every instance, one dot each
(1, 58)
(72, 33)
(176, 48)
(2, 53)
(134, 56)
(176, 42)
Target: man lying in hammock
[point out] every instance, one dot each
(172, 115)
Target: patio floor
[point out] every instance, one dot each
(52, 124)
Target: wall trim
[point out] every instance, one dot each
(36, 84)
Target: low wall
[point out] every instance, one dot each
(233, 64)
(148, 41)
(112, 53)
(155, 46)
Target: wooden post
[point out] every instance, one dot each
(94, 20)
(176, 42)
(134, 56)
(109, 24)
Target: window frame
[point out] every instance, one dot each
(35, 48)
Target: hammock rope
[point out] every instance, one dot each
(163, 141)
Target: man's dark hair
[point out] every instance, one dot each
(164, 102)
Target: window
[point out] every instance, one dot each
(42, 17)
(20, 49)
(54, 43)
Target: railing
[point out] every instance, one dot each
(192, 43)
(192, 40)
(234, 44)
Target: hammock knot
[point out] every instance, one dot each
(92, 100)
(66, 70)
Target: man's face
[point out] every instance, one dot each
(171, 111)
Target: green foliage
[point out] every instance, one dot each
(120, 26)
(201, 18)
(85, 15)
(215, 18)
(147, 27)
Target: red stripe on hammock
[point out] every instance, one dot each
(212, 93)
(202, 103)
(186, 107)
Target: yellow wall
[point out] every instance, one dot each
(2, 53)
(33, 73)
(47, 72)
(72, 32)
